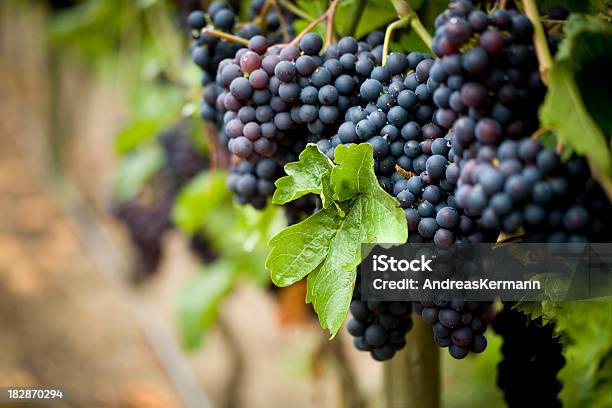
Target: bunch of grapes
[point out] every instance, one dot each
(207, 51)
(147, 224)
(532, 357)
(272, 96)
(489, 85)
(379, 327)
(521, 184)
(457, 324)
(183, 160)
(147, 216)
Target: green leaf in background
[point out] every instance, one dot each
(135, 170)
(199, 300)
(197, 200)
(327, 245)
(588, 42)
(376, 15)
(135, 134)
(564, 111)
(303, 177)
(587, 375)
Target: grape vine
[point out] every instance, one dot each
(455, 138)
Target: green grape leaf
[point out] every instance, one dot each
(135, 170)
(575, 105)
(300, 248)
(327, 245)
(197, 199)
(303, 177)
(353, 174)
(327, 192)
(564, 111)
(199, 300)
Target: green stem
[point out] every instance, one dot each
(225, 36)
(394, 25)
(404, 9)
(295, 10)
(421, 31)
(355, 17)
(539, 40)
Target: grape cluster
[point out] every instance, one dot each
(183, 160)
(521, 184)
(532, 357)
(457, 324)
(147, 224)
(208, 51)
(379, 327)
(272, 96)
(414, 162)
(147, 216)
(489, 85)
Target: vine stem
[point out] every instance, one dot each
(389, 32)
(539, 40)
(404, 9)
(226, 36)
(292, 8)
(261, 18)
(310, 26)
(331, 13)
(355, 17)
(281, 20)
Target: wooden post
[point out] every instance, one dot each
(412, 377)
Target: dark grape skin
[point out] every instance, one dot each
(375, 335)
(370, 89)
(250, 61)
(449, 318)
(285, 71)
(259, 44)
(224, 19)
(311, 44)
(196, 20)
